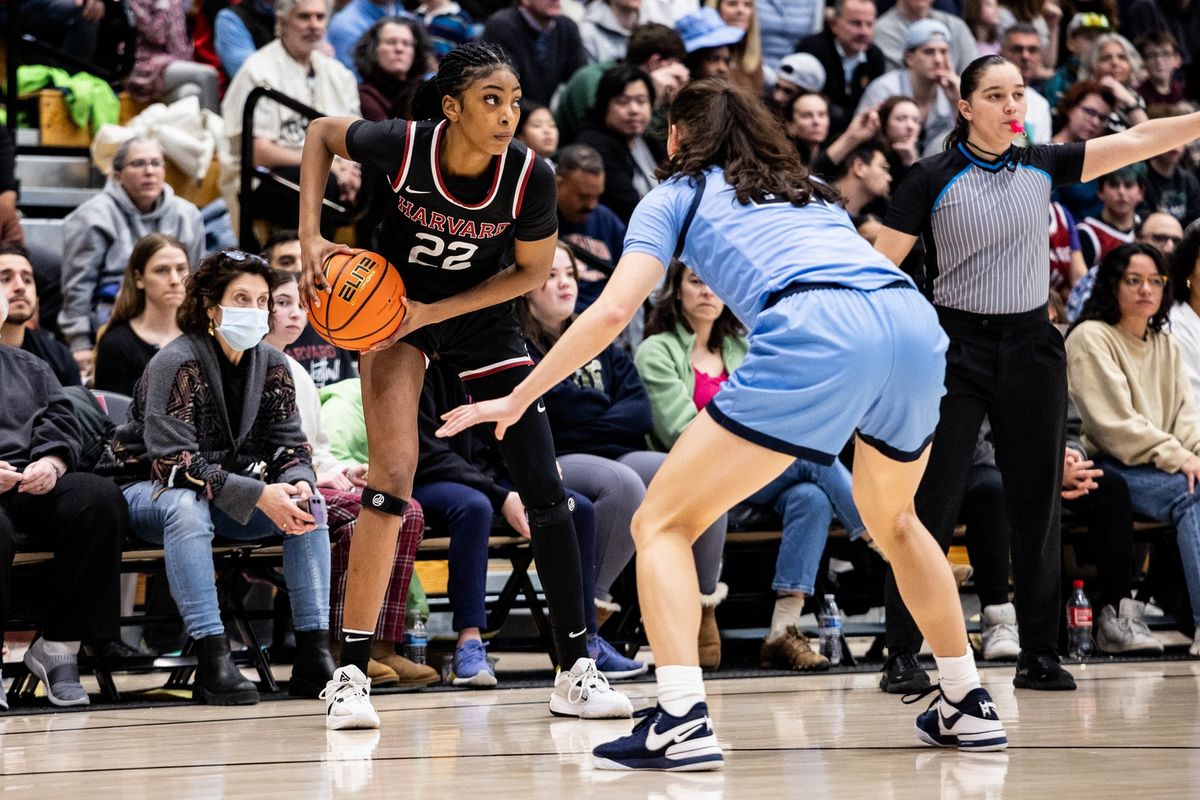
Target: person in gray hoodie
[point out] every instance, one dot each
(99, 236)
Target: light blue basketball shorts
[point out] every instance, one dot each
(827, 362)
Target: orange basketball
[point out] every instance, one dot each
(363, 305)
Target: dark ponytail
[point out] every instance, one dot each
(968, 83)
(458, 69)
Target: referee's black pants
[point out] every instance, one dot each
(1011, 367)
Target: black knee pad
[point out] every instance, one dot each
(551, 515)
(383, 502)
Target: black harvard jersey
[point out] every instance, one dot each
(448, 233)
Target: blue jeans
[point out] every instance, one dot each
(184, 523)
(808, 496)
(1165, 497)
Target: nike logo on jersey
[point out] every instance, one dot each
(656, 740)
(411, 190)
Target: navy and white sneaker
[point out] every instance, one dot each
(663, 742)
(972, 724)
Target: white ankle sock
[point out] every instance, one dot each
(957, 675)
(61, 648)
(787, 612)
(679, 688)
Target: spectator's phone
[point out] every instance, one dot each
(314, 505)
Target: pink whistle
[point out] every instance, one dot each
(1015, 126)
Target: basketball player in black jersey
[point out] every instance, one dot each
(473, 226)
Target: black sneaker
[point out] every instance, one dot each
(1039, 669)
(902, 674)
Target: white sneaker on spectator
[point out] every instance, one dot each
(998, 626)
(583, 691)
(1194, 650)
(347, 699)
(1126, 631)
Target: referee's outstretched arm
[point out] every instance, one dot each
(1102, 156)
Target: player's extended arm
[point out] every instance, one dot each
(1102, 156)
(635, 277)
(325, 138)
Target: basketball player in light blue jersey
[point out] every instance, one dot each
(841, 344)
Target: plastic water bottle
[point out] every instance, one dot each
(830, 621)
(1079, 624)
(416, 639)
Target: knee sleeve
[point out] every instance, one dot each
(383, 502)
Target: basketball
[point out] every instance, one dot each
(363, 305)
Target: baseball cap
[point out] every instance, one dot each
(803, 70)
(923, 31)
(1088, 21)
(705, 28)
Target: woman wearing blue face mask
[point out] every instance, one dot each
(213, 446)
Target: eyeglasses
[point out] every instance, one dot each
(1165, 238)
(142, 163)
(241, 255)
(1136, 281)
(1099, 116)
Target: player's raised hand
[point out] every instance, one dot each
(314, 251)
(504, 411)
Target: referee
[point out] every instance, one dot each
(980, 208)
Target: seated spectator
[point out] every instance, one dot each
(798, 72)
(324, 363)
(81, 517)
(927, 78)
(595, 234)
(1139, 414)
(1022, 45)
(746, 68)
(708, 42)
(605, 28)
(145, 315)
(655, 49)
(73, 27)
(1120, 194)
(294, 65)
(1114, 63)
(900, 130)
(212, 404)
(391, 58)
(1067, 266)
(352, 21)
(241, 29)
(892, 34)
(448, 25)
(847, 51)
(1160, 53)
(10, 218)
(537, 130)
(1082, 114)
(600, 417)
(782, 23)
(1045, 19)
(340, 483)
(1185, 314)
(983, 20)
(806, 121)
(1161, 231)
(862, 178)
(18, 288)
(163, 69)
(1082, 32)
(620, 117)
(1170, 186)
(98, 238)
(543, 43)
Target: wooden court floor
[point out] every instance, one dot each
(1130, 731)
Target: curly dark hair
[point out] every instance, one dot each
(461, 67)
(667, 312)
(206, 286)
(1103, 304)
(724, 126)
(1183, 264)
(365, 50)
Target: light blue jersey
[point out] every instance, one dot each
(746, 253)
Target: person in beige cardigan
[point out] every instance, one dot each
(1127, 376)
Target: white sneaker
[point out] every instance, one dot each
(1194, 650)
(1126, 632)
(583, 691)
(347, 699)
(999, 632)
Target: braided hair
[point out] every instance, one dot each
(459, 68)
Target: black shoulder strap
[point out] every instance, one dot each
(691, 213)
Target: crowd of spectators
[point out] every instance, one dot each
(226, 433)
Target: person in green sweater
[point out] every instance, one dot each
(1127, 376)
(694, 343)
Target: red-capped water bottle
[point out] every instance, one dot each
(1080, 644)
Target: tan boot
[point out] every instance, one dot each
(791, 651)
(408, 673)
(709, 641)
(604, 611)
(381, 675)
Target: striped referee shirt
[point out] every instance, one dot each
(987, 249)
